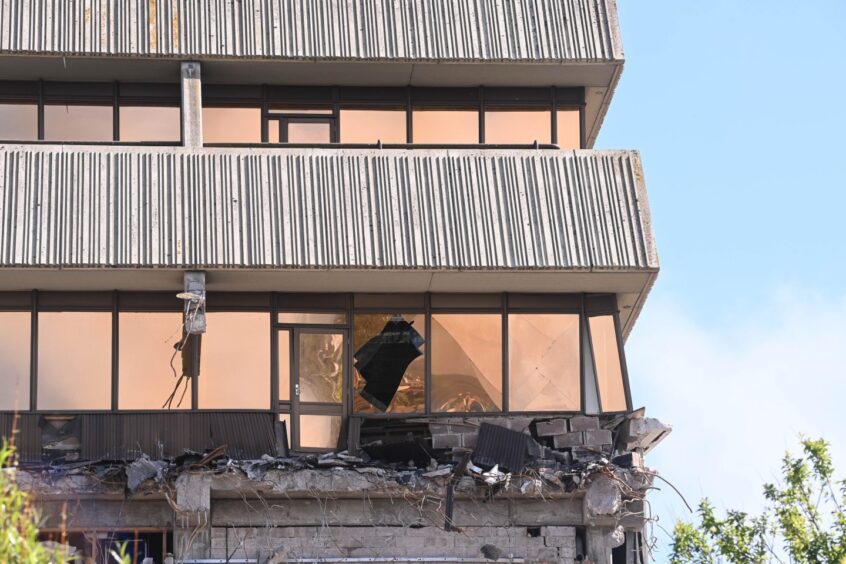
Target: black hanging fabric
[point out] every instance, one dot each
(383, 360)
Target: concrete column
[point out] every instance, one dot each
(192, 512)
(601, 541)
(192, 105)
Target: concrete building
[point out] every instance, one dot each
(322, 280)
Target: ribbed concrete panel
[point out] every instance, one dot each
(77, 206)
(408, 30)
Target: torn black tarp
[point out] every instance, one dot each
(383, 360)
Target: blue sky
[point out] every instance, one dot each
(738, 110)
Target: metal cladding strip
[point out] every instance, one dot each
(78, 206)
(412, 30)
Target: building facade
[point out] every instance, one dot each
(322, 280)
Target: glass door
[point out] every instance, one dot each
(312, 363)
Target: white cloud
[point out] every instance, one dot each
(738, 390)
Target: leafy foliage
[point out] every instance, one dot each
(19, 521)
(804, 520)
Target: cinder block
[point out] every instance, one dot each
(569, 440)
(446, 441)
(550, 428)
(584, 423)
(469, 439)
(598, 437)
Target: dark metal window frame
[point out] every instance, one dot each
(110, 94)
(585, 305)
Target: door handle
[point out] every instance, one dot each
(297, 390)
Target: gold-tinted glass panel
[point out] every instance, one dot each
(543, 360)
(321, 367)
(150, 123)
(14, 360)
(411, 394)
(518, 126)
(284, 340)
(145, 350)
(235, 361)
(300, 318)
(606, 357)
(78, 123)
(444, 127)
(319, 431)
(74, 360)
(569, 129)
(300, 132)
(372, 126)
(466, 362)
(18, 122)
(231, 125)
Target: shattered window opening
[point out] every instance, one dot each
(400, 388)
(466, 362)
(543, 358)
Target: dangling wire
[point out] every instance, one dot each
(177, 348)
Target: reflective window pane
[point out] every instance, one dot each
(372, 126)
(284, 340)
(309, 133)
(299, 318)
(18, 122)
(231, 125)
(150, 123)
(569, 128)
(74, 360)
(466, 362)
(518, 126)
(443, 127)
(321, 364)
(288, 110)
(543, 362)
(14, 360)
(606, 356)
(319, 431)
(145, 350)
(389, 366)
(235, 361)
(78, 123)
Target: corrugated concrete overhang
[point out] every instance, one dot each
(458, 220)
(567, 43)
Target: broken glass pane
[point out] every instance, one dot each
(145, 342)
(235, 361)
(14, 360)
(543, 361)
(404, 379)
(466, 362)
(321, 360)
(609, 371)
(319, 431)
(74, 360)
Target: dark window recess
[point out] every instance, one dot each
(382, 361)
(61, 437)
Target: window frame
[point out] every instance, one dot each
(115, 302)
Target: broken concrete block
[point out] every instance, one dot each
(643, 434)
(569, 440)
(597, 437)
(584, 423)
(602, 499)
(193, 491)
(628, 460)
(550, 428)
(469, 439)
(142, 470)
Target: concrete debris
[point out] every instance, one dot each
(643, 434)
(602, 499)
(142, 470)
